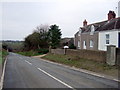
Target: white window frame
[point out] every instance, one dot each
(84, 45)
(78, 44)
(107, 39)
(79, 33)
(91, 43)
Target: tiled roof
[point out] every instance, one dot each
(103, 26)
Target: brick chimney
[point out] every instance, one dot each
(84, 23)
(111, 15)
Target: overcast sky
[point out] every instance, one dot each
(20, 17)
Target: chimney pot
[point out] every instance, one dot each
(111, 15)
(85, 23)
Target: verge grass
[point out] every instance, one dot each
(83, 64)
(3, 54)
(29, 53)
(34, 52)
(0, 57)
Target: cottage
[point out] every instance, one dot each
(98, 36)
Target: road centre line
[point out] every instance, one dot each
(56, 78)
(28, 62)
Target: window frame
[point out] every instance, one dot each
(107, 39)
(91, 44)
(78, 44)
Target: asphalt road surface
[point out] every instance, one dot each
(26, 72)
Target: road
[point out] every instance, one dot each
(27, 72)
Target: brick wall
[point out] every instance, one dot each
(87, 54)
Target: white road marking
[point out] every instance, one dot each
(28, 62)
(56, 78)
(116, 80)
(3, 74)
(91, 73)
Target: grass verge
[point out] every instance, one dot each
(30, 53)
(83, 64)
(34, 52)
(3, 54)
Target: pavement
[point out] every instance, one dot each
(28, 72)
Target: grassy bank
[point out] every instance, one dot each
(83, 64)
(3, 54)
(0, 57)
(29, 53)
(34, 52)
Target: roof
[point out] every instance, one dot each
(103, 26)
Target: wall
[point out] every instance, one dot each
(113, 39)
(87, 54)
(76, 39)
(119, 9)
(87, 37)
(118, 56)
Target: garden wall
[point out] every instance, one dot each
(86, 54)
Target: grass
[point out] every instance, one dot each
(29, 53)
(34, 52)
(3, 54)
(83, 64)
(0, 57)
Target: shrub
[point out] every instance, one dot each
(43, 51)
(72, 46)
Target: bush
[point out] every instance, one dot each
(72, 46)
(43, 51)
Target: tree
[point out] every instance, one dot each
(32, 41)
(38, 39)
(43, 35)
(54, 34)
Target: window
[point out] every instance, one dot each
(92, 30)
(91, 43)
(84, 44)
(79, 32)
(107, 39)
(78, 44)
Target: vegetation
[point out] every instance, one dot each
(72, 46)
(3, 55)
(13, 45)
(83, 64)
(38, 39)
(0, 57)
(29, 53)
(54, 35)
(42, 37)
(34, 52)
